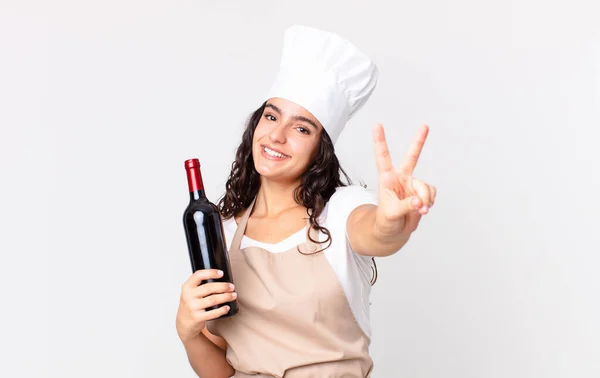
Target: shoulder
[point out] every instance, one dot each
(352, 191)
(229, 224)
(229, 221)
(229, 227)
(347, 198)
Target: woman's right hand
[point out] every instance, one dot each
(197, 297)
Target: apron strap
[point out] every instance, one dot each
(241, 228)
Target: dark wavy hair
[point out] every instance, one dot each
(318, 182)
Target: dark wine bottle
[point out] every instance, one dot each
(204, 232)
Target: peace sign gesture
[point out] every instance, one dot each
(402, 198)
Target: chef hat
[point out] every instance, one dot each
(325, 74)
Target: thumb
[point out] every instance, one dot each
(410, 204)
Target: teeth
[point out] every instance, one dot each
(273, 153)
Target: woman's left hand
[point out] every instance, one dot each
(403, 199)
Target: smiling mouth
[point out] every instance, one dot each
(273, 153)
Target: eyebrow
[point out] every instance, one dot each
(296, 117)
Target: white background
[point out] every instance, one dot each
(101, 103)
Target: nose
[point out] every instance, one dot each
(278, 133)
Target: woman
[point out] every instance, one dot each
(301, 242)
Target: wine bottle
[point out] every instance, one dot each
(204, 232)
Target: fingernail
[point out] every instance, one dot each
(425, 208)
(227, 308)
(219, 273)
(231, 287)
(234, 295)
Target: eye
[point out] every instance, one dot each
(303, 130)
(270, 117)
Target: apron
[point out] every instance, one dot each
(294, 319)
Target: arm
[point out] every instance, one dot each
(367, 239)
(383, 229)
(206, 354)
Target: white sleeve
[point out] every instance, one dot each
(354, 271)
(341, 205)
(229, 227)
(346, 199)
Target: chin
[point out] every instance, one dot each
(270, 173)
(281, 174)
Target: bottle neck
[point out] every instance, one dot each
(195, 184)
(198, 195)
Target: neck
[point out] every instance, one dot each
(273, 198)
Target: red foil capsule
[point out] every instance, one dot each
(192, 167)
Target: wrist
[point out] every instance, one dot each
(192, 339)
(385, 228)
(388, 231)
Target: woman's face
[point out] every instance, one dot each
(285, 140)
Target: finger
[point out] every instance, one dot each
(422, 191)
(432, 192)
(409, 162)
(212, 314)
(211, 288)
(382, 153)
(201, 275)
(217, 299)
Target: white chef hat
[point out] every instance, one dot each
(325, 74)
